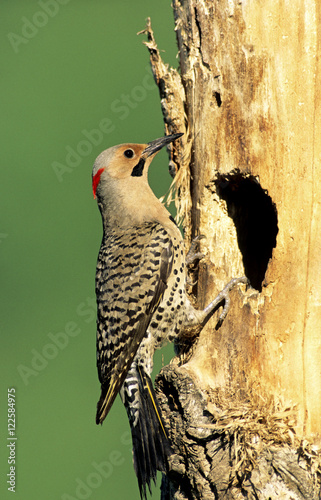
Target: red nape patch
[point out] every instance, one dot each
(96, 180)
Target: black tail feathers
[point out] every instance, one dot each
(151, 445)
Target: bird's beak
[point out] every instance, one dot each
(158, 144)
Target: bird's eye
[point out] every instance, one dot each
(129, 153)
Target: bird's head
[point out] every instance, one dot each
(119, 177)
(125, 161)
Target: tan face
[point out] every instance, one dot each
(126, 162)
(121, 162)
(125, 159)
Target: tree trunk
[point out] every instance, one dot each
(243, 403)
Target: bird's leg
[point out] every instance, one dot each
(193, 255)
(222, 296)
(196, 319)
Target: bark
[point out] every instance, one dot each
(244, 402)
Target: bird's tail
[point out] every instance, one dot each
(151, 445)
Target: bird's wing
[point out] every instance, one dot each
(132, 274)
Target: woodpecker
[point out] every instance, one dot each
(141, 296)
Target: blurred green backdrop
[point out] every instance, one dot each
(75, 79)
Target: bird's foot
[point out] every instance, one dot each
(192, 254)
(223, 296)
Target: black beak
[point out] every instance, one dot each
(158, 144)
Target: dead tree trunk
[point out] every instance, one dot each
(243, 404)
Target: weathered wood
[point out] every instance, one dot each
(237, 452)
(248, 99)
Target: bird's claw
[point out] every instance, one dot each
(192, 255)
(190, 282)
(224, 295)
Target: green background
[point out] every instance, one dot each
(62, 73)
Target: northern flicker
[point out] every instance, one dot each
(141, 297)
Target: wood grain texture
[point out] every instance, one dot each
(250, 87)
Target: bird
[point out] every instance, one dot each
(142, 303)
